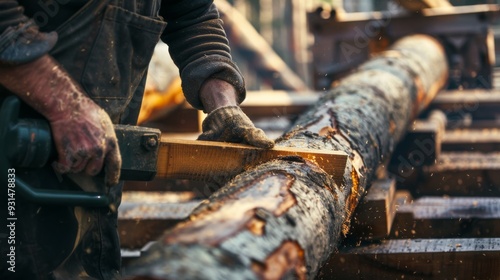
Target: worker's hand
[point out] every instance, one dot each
(226, 121)
(230, 124)
(85, 140)
(83, 132)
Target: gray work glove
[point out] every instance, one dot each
(230, 124)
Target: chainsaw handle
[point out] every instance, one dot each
(59, 197)
(28, 143)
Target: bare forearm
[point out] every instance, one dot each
(51, 95)
(215, 93)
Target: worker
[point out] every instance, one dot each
(81, 64)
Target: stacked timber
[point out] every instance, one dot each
(284, 218)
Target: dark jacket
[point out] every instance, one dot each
(194, 33)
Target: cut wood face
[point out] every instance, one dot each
(220, 161)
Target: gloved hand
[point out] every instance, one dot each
(226, 121)
(82, 131)
(230, 124)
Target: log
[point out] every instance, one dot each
(284, 218)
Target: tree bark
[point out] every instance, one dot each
(285, 217)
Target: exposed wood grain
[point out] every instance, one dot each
(375, 213)
(216, 161)
(290, 208)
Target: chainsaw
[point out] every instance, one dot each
(27, 143)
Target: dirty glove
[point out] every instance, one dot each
(24, 43)
(230, 124)
(83, 133)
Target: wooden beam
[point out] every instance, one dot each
(460, 258)
(480, 104)
(422, 142)
(472, 140)
(216, 161)
(144, 216)
(468, 123)
(421, 146)
(446, 217)
(375, 213)
(462, 173)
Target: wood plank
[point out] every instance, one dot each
(420, 146)
(199, 188)
(478, 103)
(469, 123)
(461, 258)
(144, 216)
(462, 173)
(215, 161)
(422, 142)
(446, 217)
(475, 140)
(466, 98)
(375, 213)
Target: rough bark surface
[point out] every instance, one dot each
(282, 219)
